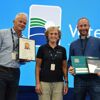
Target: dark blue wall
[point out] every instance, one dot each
(28, 93)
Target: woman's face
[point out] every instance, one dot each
(53, 36)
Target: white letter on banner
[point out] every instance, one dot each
(97, 33)
(71, 30)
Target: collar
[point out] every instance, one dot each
(84, 37)
(51, 47)
(15, 32)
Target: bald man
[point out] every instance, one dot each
(85, 46)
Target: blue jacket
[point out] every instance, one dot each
(91, 48)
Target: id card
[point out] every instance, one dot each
(14, 55)
(52, 67)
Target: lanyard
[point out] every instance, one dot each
(83, 45)
(53, 55)
(14, 47)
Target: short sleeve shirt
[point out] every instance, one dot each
(51, 56)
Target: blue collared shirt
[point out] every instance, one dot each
(6, 48)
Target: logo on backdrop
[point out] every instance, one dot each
(37, 29)
(40, 18)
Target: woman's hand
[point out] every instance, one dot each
(65, 88)
(38, 89)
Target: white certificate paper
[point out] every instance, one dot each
(26, 49)
(94, 65)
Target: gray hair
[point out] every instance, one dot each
(22, 13)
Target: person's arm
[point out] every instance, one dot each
(37, 74)
(65, 72)
(38, 64)
(70, 67)
(1, 39)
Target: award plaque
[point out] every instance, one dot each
(26, 49)
(80, 64)
(93, 65)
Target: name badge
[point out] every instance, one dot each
(52, 67)
(14, 55)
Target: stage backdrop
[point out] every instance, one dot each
(63, 13)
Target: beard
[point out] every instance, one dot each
(84, 32)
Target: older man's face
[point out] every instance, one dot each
(20, 22)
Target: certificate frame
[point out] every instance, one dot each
(26, 49)
(93, 64)
(80, 64)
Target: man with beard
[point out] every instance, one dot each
(85, 46)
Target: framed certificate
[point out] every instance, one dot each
(26, 49)
(93, 65)
(80, 64)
